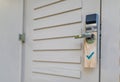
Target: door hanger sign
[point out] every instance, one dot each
(90, 41)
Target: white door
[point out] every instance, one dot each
(51, 54)
(10, 46)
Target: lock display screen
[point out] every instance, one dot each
(91, 19)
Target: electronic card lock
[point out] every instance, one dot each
(90, 41)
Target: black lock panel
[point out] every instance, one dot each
(91, 18)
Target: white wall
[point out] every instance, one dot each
(10, 49)
(110, 60)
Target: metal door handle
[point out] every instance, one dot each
(90, 37)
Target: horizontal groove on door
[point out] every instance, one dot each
(56, 8)
(51, 38)
(72, 10)
(57, 50)
(49, 4)
(64, 44)
(58, 57)
(55, 26)
(58, 20)
(70, 30)
(55, 75)
(56, 62)
(64, 69)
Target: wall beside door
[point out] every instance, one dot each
(10, 46)
(110, 64)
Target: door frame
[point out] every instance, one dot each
(100, 39)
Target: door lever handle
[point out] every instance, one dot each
(90, 37)
(84, 35)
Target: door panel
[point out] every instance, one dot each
(51, 52)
